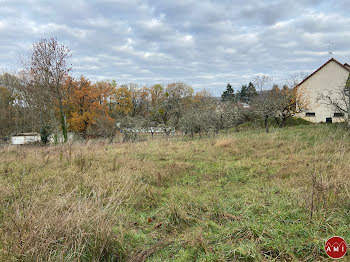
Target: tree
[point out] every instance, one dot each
(15, 113)
(233, 115)
(251, 91)
(264, 106)
(48, 70)
(178, 97)
(6, 111)
(197, 117)
(242, 94)
(279, 104)
(157, 97)
(140, 101)
(247, 93)
(122, 100)
(45, 133)
(157, 94)
(202, 96)
(131, 127)
(87, 107)
(191, 121)
(206, 115)
(228, 94)
(263, 103)
(168, 108)
(288, 102)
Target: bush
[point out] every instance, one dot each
(45, 133)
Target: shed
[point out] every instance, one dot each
(25, 138)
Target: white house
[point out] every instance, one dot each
(322, 86)
(25, 138)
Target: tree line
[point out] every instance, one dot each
(43, 97)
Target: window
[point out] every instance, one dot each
(328, 120)
(338, 114)
(310, 114)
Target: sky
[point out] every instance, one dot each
(203, 43)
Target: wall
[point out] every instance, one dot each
(330, 80)
(21, 140)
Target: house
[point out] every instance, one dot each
(244, 105)
(25, 138)
(322, 89)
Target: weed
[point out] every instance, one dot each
(247, 196)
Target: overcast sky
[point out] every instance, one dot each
(203, 43)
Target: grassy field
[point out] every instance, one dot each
(246, 196)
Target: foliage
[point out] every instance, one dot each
(6, 111)
(131, 127)
(228, 94)
(140, 98)
(289, 102)
(169, 105)
(247, 93)
(15, 114)
(87, 106)
(276, 103)
(45, 133)
(91, 109)
(122, 99)
(204, 115)
(47, 69)
(191, 121)
(233, 115)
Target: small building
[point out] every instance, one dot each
(244, 105)
(25, 138)
(326, 83)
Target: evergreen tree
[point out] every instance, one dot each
(229, 94)
(251, 91)
(243, 94)
(247, 93)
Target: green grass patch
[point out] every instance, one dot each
(242, 196)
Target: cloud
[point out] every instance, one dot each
(204, 43)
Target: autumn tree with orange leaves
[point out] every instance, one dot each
(121, 98)
(87, 105)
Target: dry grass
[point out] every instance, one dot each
(246, 196)
(57, 207)
(224, 142)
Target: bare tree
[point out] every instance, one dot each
(203, 115)
(286, 102)
(261, 81)
(207, 115)
(190, 122)
(233, 115)
(263, 104)
(295, 79)
(48, 68)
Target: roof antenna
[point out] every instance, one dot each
(330, 49)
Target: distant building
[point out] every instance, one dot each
(25, 138)
(244, 105)
(328, 79)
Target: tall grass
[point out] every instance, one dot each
(55, 209)
(245, 196)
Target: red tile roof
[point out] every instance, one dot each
(345, 66)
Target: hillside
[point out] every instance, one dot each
(246, 196)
